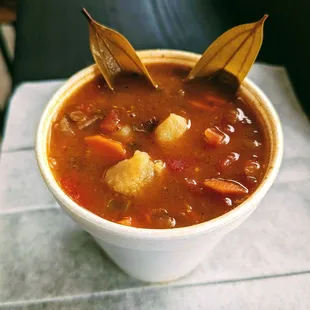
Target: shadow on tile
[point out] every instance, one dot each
(45, 254)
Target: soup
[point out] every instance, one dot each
(173, 157)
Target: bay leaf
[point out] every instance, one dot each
(230, 57)
(113, 53)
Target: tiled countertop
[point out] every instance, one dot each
(48, 262)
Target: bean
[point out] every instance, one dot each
(251, 180)
(164, 221)
(193, 185)
(228, 201)
(231, 116)
(251, 143)
(228, 160)
(161, 219)
(229, 128)
(251, 168)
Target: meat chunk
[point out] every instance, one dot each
(171, 129)
(147, 126)
(78, 116)
(111, 122)
(66, 127)
(129, 176)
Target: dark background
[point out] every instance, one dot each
(52, 35)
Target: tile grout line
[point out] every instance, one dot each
(30, 208)
(84, 296)
(22, 149)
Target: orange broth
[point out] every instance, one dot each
(213, 167)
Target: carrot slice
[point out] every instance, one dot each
(225, 186)
(107, 148)
(215, 100)
(215, 137)
(210, 102)
(201, 105)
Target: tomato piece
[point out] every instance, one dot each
(176, 165)
(110, 122)
(223, 186)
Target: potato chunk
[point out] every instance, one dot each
(171, 129)
(159, 166)
(130, 175)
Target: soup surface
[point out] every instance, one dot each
(173, 157)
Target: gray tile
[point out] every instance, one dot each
(26, 107)
(44, 254)
(21, 184)
(286, 293)
(274, 81)
(270, 241)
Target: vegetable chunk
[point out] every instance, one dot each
(225, 186)
(111, 122)
(107, 148)
(215, 137)
(171, 129)
(130, 175)
(125, 134)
